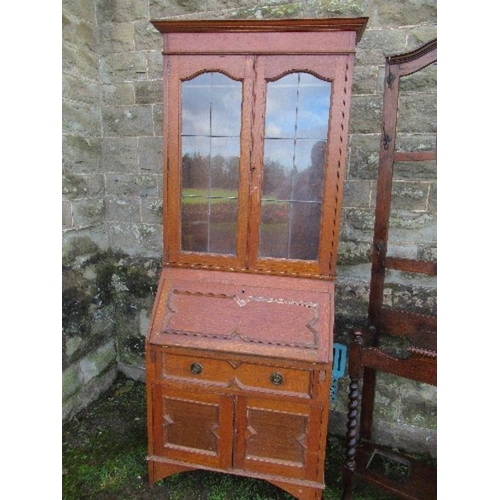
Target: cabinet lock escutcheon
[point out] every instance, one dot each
(276, 378)
(196, 368)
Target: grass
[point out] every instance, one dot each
(104, 457)
(216, 195)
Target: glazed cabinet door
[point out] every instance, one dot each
(278, 437)
(193, 426)
(298, 161)
(255, 163)
(208, 134)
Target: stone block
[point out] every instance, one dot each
(365, 79)
(80, 154)
(117, 38)
(123, 209)
(150, 154)
(155, 63)
(357, 193)
(353, 252)
(424, 80)
(432, 201)
(417, 113)
(405, 437)
(80, 90)
(97, 362)
(419, 405)
(415, 170)
(147, 37)
(160, 9)
(136, 372)
(363, 156)
(88, 211)
(127, 121)
(70, 381)
(83, 185)
(87, 394)
(358, 224)
(351, 296)
(408, 251)
(145, 185)
(269, 10)
(391, 13)
(136, 239)
(429, 252)
(158, 120)
(149, 92)
(376, 44)
(416, 299)
(152, 210)
(366, 114)
(333, 8)
(414, 227)
(118, 94)
(416, 142)
(144, 321)
(79, 32)
(79, 62)
(119, 154)
(67, 219)
(72, 345)
(124, 66)
(409, 195)
(112, 11)
(223, 5)
(83, 9)
(81, 119)
(72, 239)
(421, 34)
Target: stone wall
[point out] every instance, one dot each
(112, 97)
(89, 352)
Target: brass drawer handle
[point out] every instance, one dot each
(276, 378)
(196, 368)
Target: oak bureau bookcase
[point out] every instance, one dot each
(239, 350)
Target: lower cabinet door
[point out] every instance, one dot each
(193, 426)
(278, 437)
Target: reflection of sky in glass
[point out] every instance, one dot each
(211, 123)
(211, 106)
(297, 113)
(211, 146)
(297, 106)
(290, 152)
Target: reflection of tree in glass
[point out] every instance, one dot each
(275, 177)
(303, 191)
(197, 168)
(209, 203)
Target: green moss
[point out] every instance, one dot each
(75, 312)
(105, 449)
(77, 250)
(103, 292)
(135, 345)
(337, 7)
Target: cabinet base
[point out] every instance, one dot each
(160, 468)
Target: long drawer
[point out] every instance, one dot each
(234, 374)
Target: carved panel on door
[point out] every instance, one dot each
(193, 426)
(273, 437)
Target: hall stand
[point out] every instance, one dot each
(367, 355)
